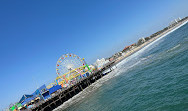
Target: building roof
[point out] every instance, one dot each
(128, 46)
(27, 100)
(54, 88)
(24, 97)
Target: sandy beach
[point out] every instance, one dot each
(151, 40)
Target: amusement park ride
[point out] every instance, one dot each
(70, 68)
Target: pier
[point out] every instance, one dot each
(66, 94)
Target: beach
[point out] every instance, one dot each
(153, 78)
(94, 92)
(151, 40)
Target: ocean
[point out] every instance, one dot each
(152, 79)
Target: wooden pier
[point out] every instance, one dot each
(68, 93)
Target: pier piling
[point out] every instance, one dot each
(68, 93)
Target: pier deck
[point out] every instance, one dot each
(68, 93)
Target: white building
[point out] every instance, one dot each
(123, 54)
(100, 63)
(141, 41)
(175, 21)
(178, 19)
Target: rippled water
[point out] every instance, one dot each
(153, 79)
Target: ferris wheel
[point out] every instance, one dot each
(69, 68)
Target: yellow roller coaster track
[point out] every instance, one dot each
(69, 72)
(73, 75)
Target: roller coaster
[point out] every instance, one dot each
(70, 68)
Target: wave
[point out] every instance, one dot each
(90, 89)
(119, 70)
(86, 92)
(173, 48)
(150, 45)
(146, 58)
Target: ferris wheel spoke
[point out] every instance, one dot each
(69, 65)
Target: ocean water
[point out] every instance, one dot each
(152, 79)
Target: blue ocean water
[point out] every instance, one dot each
(153, 79)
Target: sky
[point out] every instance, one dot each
(34, 34)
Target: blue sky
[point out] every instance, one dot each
(34, 34)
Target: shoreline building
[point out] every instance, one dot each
(141, 41)
(174, 22)
(100, 63)
(127, 48)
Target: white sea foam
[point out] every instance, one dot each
(149, 45)
(87, 91)
(146, 58)
(173, 48)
